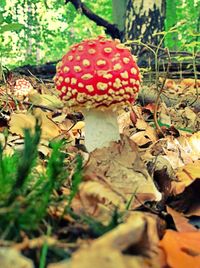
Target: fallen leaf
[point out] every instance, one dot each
(10, 258)
(186, 175)
(98, 199)
(117, 169)
(146, 134)
(181, 222)
(50, 101)
(124, 122)
(125, 246)
(182, 249)
(20, 121)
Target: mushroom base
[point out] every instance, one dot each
(101, 127)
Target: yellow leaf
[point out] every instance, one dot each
(21, 121)
(50, 101)
(186, 175)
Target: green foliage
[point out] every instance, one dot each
(51, 27)
(97, 227)
(3, 29)
(186, 15)
(25, 194)
(76, 179)
(10, 27)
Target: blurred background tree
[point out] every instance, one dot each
(51, 26)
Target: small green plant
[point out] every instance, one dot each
(76, 179)
(5, 27)
(25, 193)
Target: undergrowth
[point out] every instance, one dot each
(26, 193)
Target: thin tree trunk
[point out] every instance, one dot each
(143, 20)
(118, 12)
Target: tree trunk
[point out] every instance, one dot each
(143, 20)
(118, 12)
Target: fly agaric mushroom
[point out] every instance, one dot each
(22, 88)
(98, 76)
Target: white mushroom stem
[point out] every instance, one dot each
(101, 127)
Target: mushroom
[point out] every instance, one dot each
(97, 76)
(22, 88)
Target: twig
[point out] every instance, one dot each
(195, 77)
(158, 128)
(37, 106)
(163, 49)
(111, 29)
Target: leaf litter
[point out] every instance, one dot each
(150, 183)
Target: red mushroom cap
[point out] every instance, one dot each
(22, 87)
(98, 73)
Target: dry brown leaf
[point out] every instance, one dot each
(120, 173)
(20, 121)
(189, 82)
(181, 222)
(182, 249)
(124, 122)
(12, 258)
(186, 175)
(138, 233)
(164, 116)
(148, 134)
(194, 210)
(177, 151)
(141, 124)
(194, 142)
(50, 101)
(98, 200)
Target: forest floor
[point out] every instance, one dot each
(134, 203)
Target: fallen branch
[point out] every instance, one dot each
(110, 29)
(148, 94)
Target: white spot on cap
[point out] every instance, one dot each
(70, 58)
(124, 74)
(60, 79)
(69, 94)
(102, 86)
(117, 67)
(66, 69)
(111, 91)
(67, 80)
(77, 69)
(90, 88)
(117, 84)
(63, 89)
(132, 81)
(107, 76)
(81, 85)
(101, 62)
(86, 76)
(124, 83)
(121, 91)
(91, 43)
(80, 97)
(126, 60)
(73, 81)
(91, 51)
(86, 62)
(120, 46)
(80, 48)
(129, 89)
(133, 70)
(108, 49)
